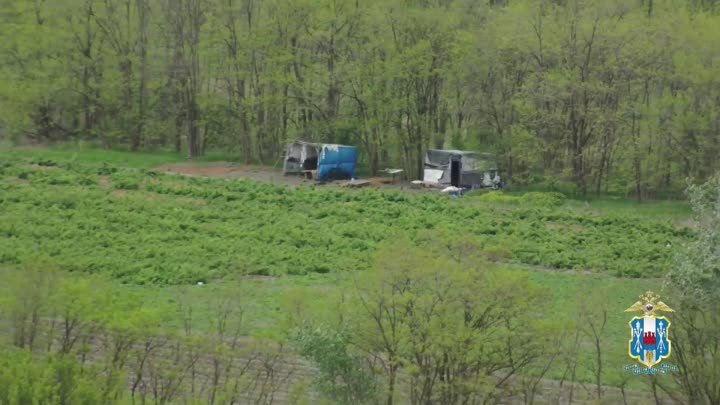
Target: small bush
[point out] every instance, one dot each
(498, 197)
(543, 199)
(87, 181)
(550, 199)
(106, 170)
(498, 253)
(43, 162)
(61, 180)
(125, 182)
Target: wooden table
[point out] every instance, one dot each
(392, 172)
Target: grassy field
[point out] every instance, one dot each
(272, 249)
(270, 305)
(89, 155)
(143, 227)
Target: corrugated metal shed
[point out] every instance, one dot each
(326, 161)
(459, 168)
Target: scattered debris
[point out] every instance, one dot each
(393, 173)
(229, 170)
(452, 190)
(355, 183)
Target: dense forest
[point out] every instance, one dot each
(612, 96)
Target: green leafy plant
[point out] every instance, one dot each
(168, 230)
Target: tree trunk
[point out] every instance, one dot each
(179, 129)
(142, 88)
(194, 129)
(637, 164)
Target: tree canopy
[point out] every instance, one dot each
(609, 96)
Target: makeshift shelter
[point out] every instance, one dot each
(322, 161)
(459, 168)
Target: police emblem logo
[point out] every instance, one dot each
(649, 342)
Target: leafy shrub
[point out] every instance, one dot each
(543, 199)
(343, 375)
(61, 180)
(181, 230)
(498, 197)
(55, 380)
(106, 170)
(497, 253)
(87, 181)
(123, 181)
(43, 162)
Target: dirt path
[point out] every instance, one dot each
(234, 171)
(267, 174)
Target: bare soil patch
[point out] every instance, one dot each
(119, 193)
(233, 171)
(215, 170)
(264, 174)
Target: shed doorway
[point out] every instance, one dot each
(455, 170)
(310, 158)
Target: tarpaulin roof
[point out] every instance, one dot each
(336, 160)
(333, 160)
(471, 161)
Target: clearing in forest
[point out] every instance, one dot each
(143, 228)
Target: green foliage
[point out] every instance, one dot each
(426, 313)
(498, 197)
(344, 377)
(614, 97)
(697, 270)
(543, 199)
(43, 162)
(85, 341)
(695, 284)
(149, 228)
(546, 199)
(125, 181)
(56, 380)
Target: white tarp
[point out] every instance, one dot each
(303, 153)
(432, 175)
